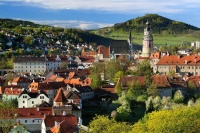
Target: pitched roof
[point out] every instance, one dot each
(75, 81)
(126, 79)
(87, 59)
(109, 88)
(20, 80)
(72, 95)
(33, 94)
(179, 60)
(155, 55)
(84, 89)
(160, 81)
(10, 88)
(105, 51)
(13, 91)
(60, 97)
(50, 120)
(35, 86)
(119, 46)
(37, 112)
(90, 53)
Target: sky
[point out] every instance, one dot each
(94, 14)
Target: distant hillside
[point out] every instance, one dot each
(158, 23)
(73, 35)
(165, 31)
(11, 23)
(81, 36)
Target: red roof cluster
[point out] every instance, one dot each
(179, 60)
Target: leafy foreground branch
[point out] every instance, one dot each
(181, 119)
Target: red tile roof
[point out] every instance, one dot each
(179, 60)
(160, 81)
(105, 51)
(87, 59)
(13, 91)
(63, 127)
(126, 79)
(156, 55)
(39, 112)
(35, 86)
(50, 120)
(60, 97)
(20, 80)
(9, 89)
(109, 88)
(91, 53)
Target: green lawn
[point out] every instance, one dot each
(158, 39)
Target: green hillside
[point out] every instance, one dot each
(165, 31)
(20, 27)
(11, 23)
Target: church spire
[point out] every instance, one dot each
(130, 45)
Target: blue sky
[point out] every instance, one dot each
(92, 14)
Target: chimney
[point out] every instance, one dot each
(56, 124)
(64, 113)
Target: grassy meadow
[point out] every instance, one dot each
(157, 39)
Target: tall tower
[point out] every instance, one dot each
(130, 45)
(147, 47)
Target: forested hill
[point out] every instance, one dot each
(36, 30)
(11, 23)
(158, 23)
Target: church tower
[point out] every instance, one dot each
(147, 47)
(130, 45)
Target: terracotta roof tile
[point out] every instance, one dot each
(20, 80)
(60, 97)
(87, 59)
(72, 95)
(90, 53)
(179, 60)
(13, 91)
(75, 81)
(10, 89)
(33, 112)
(155, 55)
(53, 77)
(161, 81)
(50, 120)
(35, 86)
(63, 127)
(126, 79)
(105, 51)
(60, 79)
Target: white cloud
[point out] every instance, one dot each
(122, 6)
(72, 24)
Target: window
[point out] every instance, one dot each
(25, 121)
(32, 102)
(33, 121)
(41, 97)
(23, 101)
